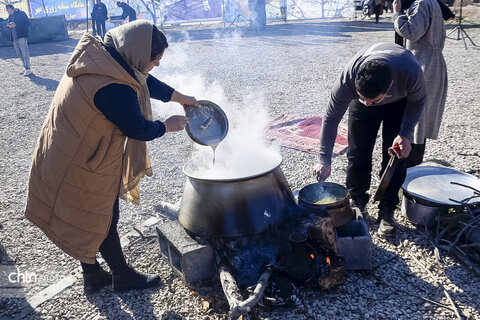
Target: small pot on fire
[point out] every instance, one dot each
(327, 199)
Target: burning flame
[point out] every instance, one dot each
(328, 261)
(312, 256)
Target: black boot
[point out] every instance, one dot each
(361, 204)
(131, 279)
(386, 227)
(96, 280)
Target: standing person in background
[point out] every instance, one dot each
(388, 5)
(283, 10)
(99, 16)
(377, 9)
(92, 149)
(127, 11)
(423, 27)
(18, 24)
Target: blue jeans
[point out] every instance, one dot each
(21, 47)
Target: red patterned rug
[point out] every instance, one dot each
(303, 134)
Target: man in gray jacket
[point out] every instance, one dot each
(18, 24)
(382, 85)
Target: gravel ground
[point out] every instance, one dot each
(287, 69)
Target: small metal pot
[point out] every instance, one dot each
(339, 209)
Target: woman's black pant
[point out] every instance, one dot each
(110, 249)
(363, 125)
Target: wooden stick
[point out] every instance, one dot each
(438, 304)
(464, 229)
(229, 285)
(463, 258)
(247, 305)
(445, 292)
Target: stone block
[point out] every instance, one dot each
(354, 243)
(191, 260)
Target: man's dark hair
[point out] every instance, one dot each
(373, 78)
(118, 3)
(159, 43)
(9, 6)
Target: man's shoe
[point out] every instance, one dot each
(386, 228)
(132, 279)
(93, 282)
(360, 205)
(27, 72)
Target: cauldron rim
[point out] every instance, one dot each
(272, 153)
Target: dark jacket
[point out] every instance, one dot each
(128, 12)
(21, 21)
(99, 12)
(119, 103)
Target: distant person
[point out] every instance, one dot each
(283, 10)
(382, 85)
(423, 26)
(377, 9)
(99, 16)
(388, 5)
(18, 24)
(127, 11)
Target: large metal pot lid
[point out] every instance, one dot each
(238, 168)
(208, 124)
(441, 185)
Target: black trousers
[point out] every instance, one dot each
(363, 125)
(98, 27)
(378, 9)
(110, 249)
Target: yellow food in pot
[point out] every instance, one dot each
(326, 200)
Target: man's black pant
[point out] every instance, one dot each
(101, 27)
(363, 125)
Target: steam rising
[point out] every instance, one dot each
(244, 151)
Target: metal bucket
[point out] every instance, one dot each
(242, 206)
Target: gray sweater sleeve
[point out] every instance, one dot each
(342, 94)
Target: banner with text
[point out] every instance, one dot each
(192, 10)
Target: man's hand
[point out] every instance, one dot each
(322, 171)
(397, 6)
(404, 145)
(183, 99)
(175, 123)
(11, 25)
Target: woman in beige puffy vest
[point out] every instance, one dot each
(92, 149)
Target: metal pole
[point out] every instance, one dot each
(86, 9)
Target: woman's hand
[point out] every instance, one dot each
(404, 145)
(322, 172)
(175, 123)
(184, 100)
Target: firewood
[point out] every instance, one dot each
(322, 232)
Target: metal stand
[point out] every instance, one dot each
(237, 19)
(460, 30)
